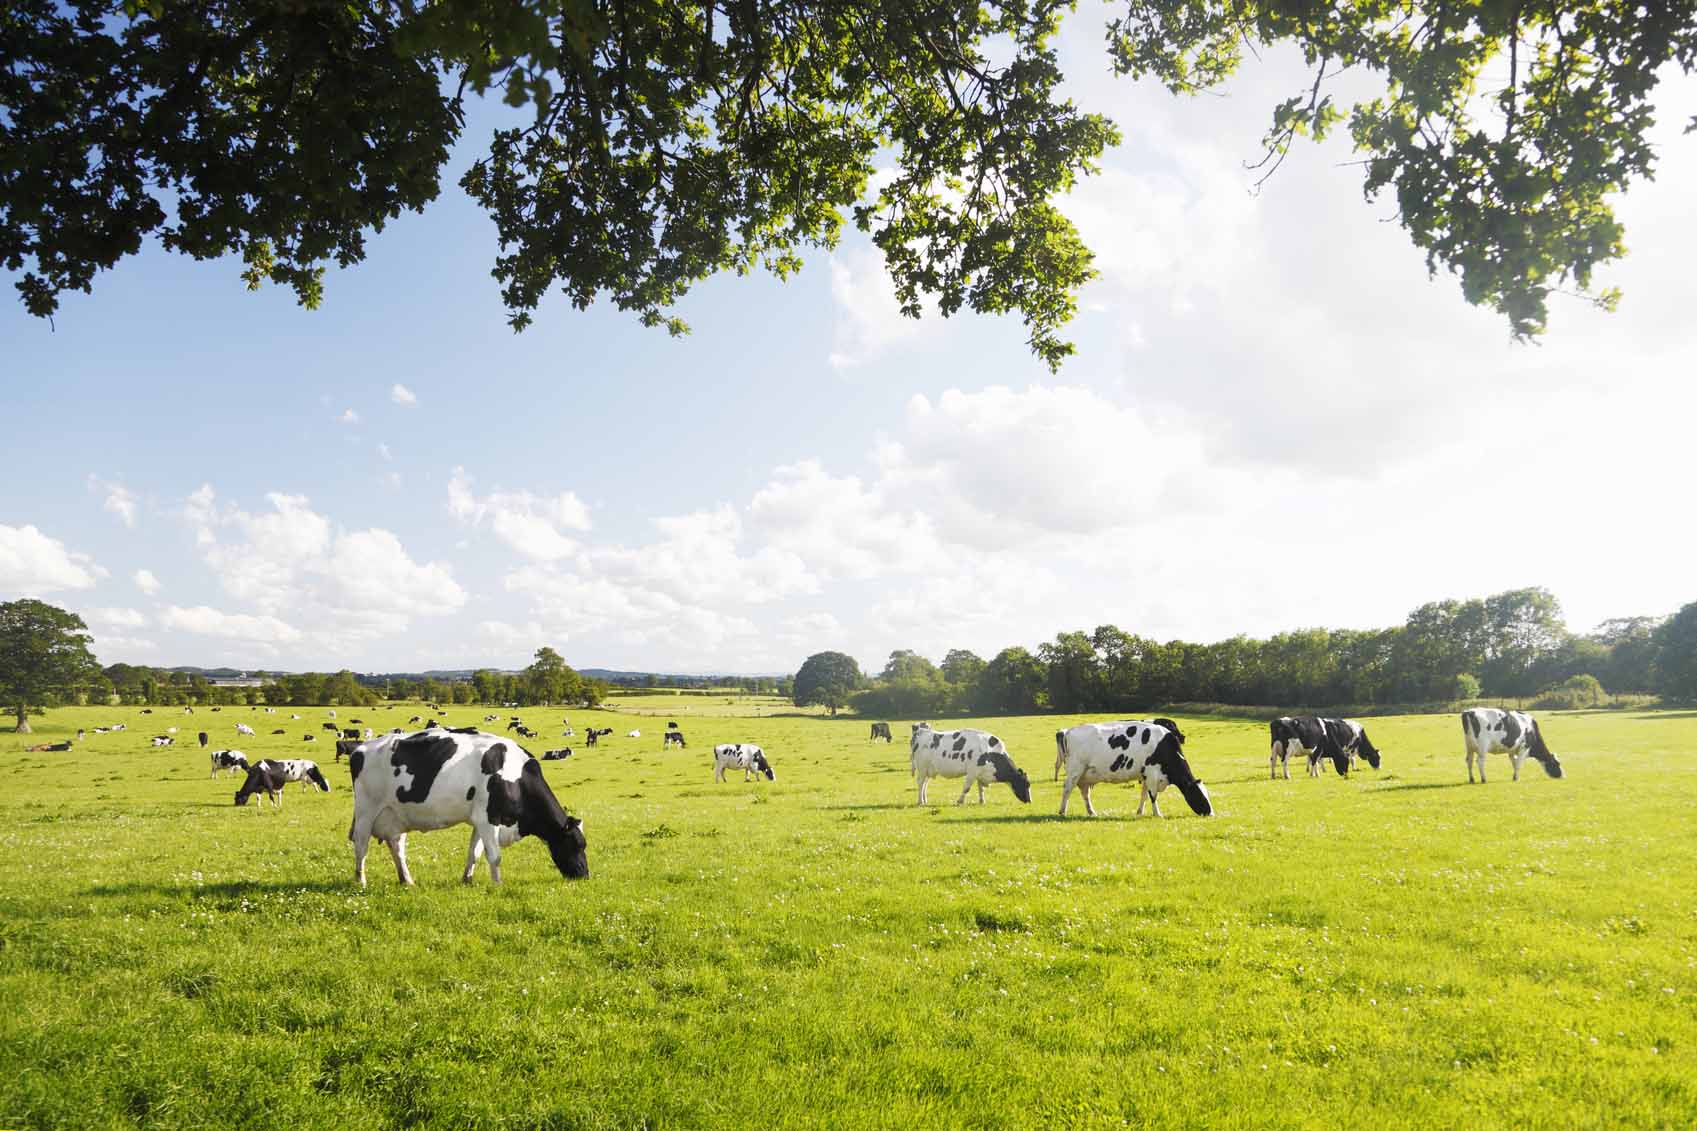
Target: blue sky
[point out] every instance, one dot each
(1274, 420)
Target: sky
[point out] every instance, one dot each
(1275, 420)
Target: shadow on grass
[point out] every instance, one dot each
(868, 805)
(224, 890)
(1417, 785)
(1045, 818)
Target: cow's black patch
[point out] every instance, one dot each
(1470, 720)
(423, 755)
(470, 792)
(505, 802)
(1119, 742)
(1144, 737)
(960, 742)
(1119, 763)
(1005, 771)
(1168, 756)
(994, 741)
(1542, 753)
(1511, 729)
(936, 741)
(494, 758)
(356, 763)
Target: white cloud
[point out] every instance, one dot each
(531, 524)
(515, 637)
(349, 416)
(383, 450)
(868, 319)
(31, 563)
(112, 648)
(146, 582)
(116, 618)
(206, 621)
(370, 571)
(402, 395)
(120, 500)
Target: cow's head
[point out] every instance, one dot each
(1006, 771)
(1545, 756)
(1368, 751)
(1170, 760)
(317, 778)
(1196, 796)
(541, 815)
(762, 766)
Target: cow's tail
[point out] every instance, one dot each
(1060, 752)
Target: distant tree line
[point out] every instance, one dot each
(745, 684)
(1510, 645)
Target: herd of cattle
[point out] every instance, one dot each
(410, 781)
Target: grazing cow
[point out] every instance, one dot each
(299, 769)
(345, 747)
(265, 779)
(976, 755)
(557, 755)
(744, 756)
(243, 728)
(880, 730)
(163, 740)
(228, 760)
(417, 782)
(203, 739)
(331, 727)
(1338, 741)
(1515, 733)
(1150, 751)
(632, 734)
(673, 738)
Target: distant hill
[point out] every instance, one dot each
(610, 675)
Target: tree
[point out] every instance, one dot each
(549, 679)
(1012, 683)
(826, 679)
(671, 142)
(43, 653)
(1676, 655)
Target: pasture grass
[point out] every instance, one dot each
(1397, 949)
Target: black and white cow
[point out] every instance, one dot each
(163, 740)
(433, 779)
(1515, 733)
(243, 728)
(673, 738)
(596, 734)
(976, 755)
(228, 760)
(557, 755)
(1150, 751)
(880, 730)
(1338, 741)
(265, 779)
(744, 756)
(299, 769)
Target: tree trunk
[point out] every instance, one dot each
(23, 722)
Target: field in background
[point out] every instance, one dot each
(1396, 949)
(680, 706)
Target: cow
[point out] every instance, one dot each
(243, 728)
(976, 755)
(331, 727)
(1150, 751)
(514, 722)
(672, 725)
(350, 732)
(526, 732)
(673, 738)
(229, 759)
(744, 756)
(1338, 741)
(631, 734)
(279, 730)
(163, 740)
(204, 739)
(309, 738)
(596, 734)
(330, 713)
(1488, 730)
(345, 747)
(880, 730)
(263, 778)
(299, 769)
(557, 755)
(422, 781)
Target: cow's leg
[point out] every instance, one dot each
(398, 849)
(980, 793)
(718, 772)
(1517, 758)
(491, 838)
(1142, 796)
(1154, 800)
(474, 851)
(1273, 762)
(1481, 768)
(964, 790)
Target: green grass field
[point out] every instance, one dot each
(1398, 949)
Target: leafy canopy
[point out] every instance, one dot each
(43, 652)
(674, 140)
(826, 679)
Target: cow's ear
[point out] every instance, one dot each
(573, 823)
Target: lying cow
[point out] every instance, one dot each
(744, 756)
(265, 779)
(880, 730)
(279, 730)
(673, 738)
(1148, 751)
(228, 760)
(430, 780)
(1489, 730)
(976, 755)
(557, 755)
(163, 740)
(631, 734)
(1338, 741)
(243, 728)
